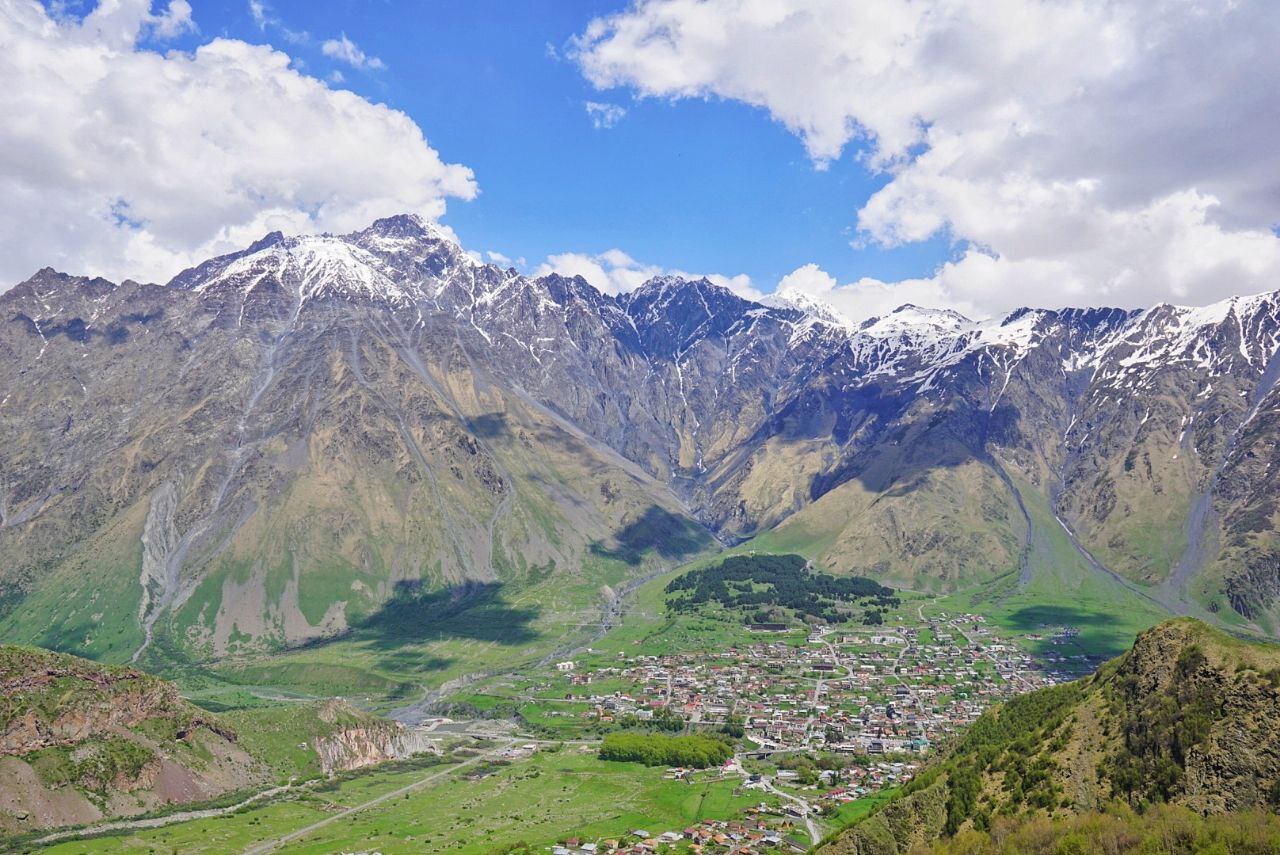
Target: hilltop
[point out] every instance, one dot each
(81, 741)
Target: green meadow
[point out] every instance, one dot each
(539, 801)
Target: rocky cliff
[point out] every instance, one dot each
(355, 740)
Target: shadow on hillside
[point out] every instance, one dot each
(474, 611)
(898, 460)
(657, 530)
(1098, 638)
(488, 426)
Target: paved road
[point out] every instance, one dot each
(271, 845)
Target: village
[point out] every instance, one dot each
(829, 719)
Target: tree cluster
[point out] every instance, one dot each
(755, 581)
(657, 749)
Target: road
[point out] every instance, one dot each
(161, 821)
(271, 845)
(821, 684)
(814, 834)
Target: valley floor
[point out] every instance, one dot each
(868, 703)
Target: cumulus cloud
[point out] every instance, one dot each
(1075, 151)
(345, 50)
(616, 272)
(119, 160)
(604, 116)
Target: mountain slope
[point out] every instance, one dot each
(269, 452)
(1188, 717)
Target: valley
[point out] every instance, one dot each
(869, 703)
(640, 427)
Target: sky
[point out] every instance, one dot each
(971, 154)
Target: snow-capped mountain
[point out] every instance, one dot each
(270, 446)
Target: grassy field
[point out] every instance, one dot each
(539, 801)
(851, 812)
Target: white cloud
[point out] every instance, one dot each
(345, 50)
(1074, 150)
(868, 298)
(120, 161)
(123, 22)
(615, 272)
(266, 19)
(604, 116)
(175, 20)
(504, 260)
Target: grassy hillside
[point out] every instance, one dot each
(1166, 829)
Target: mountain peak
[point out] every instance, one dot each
(667, 281)
(807, 304)
(268, 240)
(923, 314)
(403, 225)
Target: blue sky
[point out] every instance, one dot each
(970, 154)
(697, 185)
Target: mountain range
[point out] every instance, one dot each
(280, 443)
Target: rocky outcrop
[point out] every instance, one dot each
(357, 747)
(80, 741)
(352, 738)
(1209, 706)
(52, 699)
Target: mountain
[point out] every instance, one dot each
(1187, 718)
(326, 435)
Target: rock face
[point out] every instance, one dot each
(279, 442)
(1208, 705)
(353, 739)
(81, 741)
(57, 700)
(1189, 716)
(357, 747)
